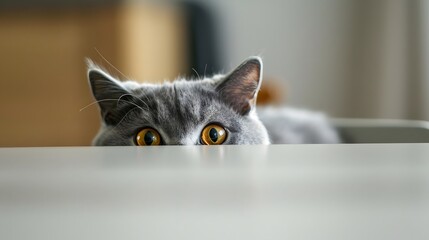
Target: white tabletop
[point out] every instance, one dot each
(378, 191)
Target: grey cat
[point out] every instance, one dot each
(211, 111)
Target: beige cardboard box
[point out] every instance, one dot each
(43, 81)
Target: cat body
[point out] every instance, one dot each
(287, 125)
(217, 110)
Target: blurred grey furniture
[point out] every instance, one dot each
(382, 130)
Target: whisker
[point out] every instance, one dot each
(110, 63)
(205, 68)
(95, 102)
(108, 99)
(132, 95)
(196, 72)
(147, 99)
(122, 119)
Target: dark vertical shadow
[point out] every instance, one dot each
(202, 39)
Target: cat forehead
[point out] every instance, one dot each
(188, 100)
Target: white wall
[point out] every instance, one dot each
(304, 43)
(349, 58)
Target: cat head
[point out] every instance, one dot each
(217, 110)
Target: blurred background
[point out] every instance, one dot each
(348, 58)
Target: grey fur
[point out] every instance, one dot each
(181, 109)
(296, 126)
(178, 111)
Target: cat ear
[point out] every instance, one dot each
(240, 88)
(107, 91)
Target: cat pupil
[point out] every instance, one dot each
(213, 134)
(149, 138)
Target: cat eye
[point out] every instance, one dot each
(148, 137)
(213, 134)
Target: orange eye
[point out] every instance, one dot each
(213, 134)
(148, 137)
